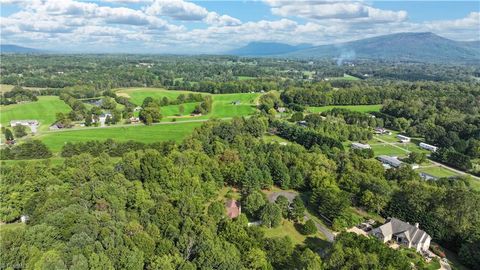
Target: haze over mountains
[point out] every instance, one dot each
(422, 47)
(425, 47)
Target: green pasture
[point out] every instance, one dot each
(43, 110)
(223, 107)
(147, 134)
(137, 95)
(386, 149)
(438, 171)
(356, 108)
(173, 110)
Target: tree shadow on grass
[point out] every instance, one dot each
(316, 244)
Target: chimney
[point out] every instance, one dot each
(416, 224)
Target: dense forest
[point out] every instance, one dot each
(158, 206)
(135, 205)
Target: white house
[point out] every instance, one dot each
(360, 146)
(403, 139)
(428, 147)
(391, 161)
(404, 234)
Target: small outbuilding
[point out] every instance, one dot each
(233, 208)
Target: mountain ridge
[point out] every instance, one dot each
(411, 46)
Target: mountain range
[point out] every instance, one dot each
(423, 47)
(10, 48)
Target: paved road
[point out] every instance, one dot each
(290, 195)
(434, 162)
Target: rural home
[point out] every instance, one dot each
(404, 234)
(32, 124)
(428, 147)
(390, 161)
(426, 176)
(403, 139)
(381, 131)
(134, 119)
(360, 146)
(281, 109)
(233, 208)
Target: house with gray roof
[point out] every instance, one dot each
(404, 234)
(391, 161)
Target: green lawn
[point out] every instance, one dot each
(146, 134)
(357, 108)
(438, 171)
(43, 110)
(345, 77)
(222, 103)
(137, 95)
(274, 138)
(386, 149)
(172, 110)
(287, 228)
(223, 107)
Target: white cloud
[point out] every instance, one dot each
(342, 10)
(187, 11)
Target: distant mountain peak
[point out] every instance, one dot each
(263, 48)
(11, 48)
(405, 46)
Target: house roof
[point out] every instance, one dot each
(410, 232)
(390, 160)
(233, 208)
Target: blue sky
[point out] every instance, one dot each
(180, 26)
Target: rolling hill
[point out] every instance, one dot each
(267, 48)
(423, 47)
(10, 48)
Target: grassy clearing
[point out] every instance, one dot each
(356, 108)
(223, 107)
(245, 78)
(222, 103)
(386, 149)
(345, 77)
(438, 171)
(288, 228)
(274, 138)
(6, 87)
(137, 95)
(11, 226)
(146, 134)
(43, 110)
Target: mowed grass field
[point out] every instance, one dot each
(356, 108)
(222, 106)
(137, 95)
(147, 134)
(43, 110)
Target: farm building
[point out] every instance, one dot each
(233, 208)
(381, 131)
(360, 146)
(403, 139)
(32, 124)
(428, 147)
(134, 119)
(404, 234)
(390, 161)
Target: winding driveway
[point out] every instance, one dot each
(290, 195)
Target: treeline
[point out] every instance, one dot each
(304, 136)
(336, 127)
(111, 147)
(161, 206)
(16, 95)
(451, 122)
(31, 149)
